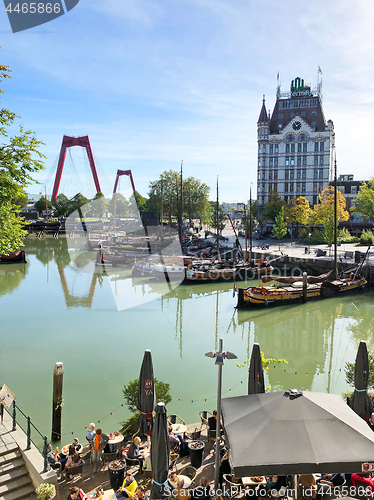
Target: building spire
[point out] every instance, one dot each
(263, 114)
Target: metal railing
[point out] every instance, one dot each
(29, 425)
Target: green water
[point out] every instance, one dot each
(51, 312)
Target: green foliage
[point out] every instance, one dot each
(345, 236)
(253, 217)
(21, 201)
(195, 197)
(19, 159)
(78, 201)
(99, 205)
(367, 238)
(131, 389)
(61, 205)
(316, 237)
(119, 205)
(364, 202)
(266, 362)
(45, 491)
(42, 204)
(137, 203)
(280, 227)
(350, 373)
(130, 423)
(272, 207)
(328, 227)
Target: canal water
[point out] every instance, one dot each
(52, 311)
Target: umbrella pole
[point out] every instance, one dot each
(218, 426)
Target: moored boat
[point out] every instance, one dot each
(13, 257)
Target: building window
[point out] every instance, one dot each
(302, 137)
(292, 115)
(286, 187)
(290, 137)
(353, 189)
(270, 162)
(304, 160)
(275, 188)
(291, 186)
(303, 187)
(316, 160)
(263, 162)
(305, 145)
(321, 173)
(292, 161)
(270, 174)
(280, 116)
(286, 199)
(287, 161)
(315, 200)
(263, 187)
(292, 148)
(322, 146)
(298, 187)
(271, 147)
(316, 146)
(276, 148)
(259, 174)
(263, 199)
(315, 173)
(313, 124)
(321, 158)
(341, 189)
(286, 174)
(287, 148)
(303, 114)
(314, 186)
(314, 113)
(298, 174)
(263, 176)
(299, 147)
(275, 174)
(275, 162)
(292, 174)
(299, 161)
(304, 174)
(264, 149)
(320, 187)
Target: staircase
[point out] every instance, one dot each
(15, 481)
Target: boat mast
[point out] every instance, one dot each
(46, 201)
(245, 232)
(335, 220)
(217, 222)
(250, 222)
(181, 196)
(162, 205)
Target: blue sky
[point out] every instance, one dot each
(152, 83)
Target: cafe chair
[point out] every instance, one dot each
(55, 466)
(109, 457)
(173, 461)
(233, 484)
(75, 470)
(194, 435)
(131, 462)
(172, 419)
(204, 418)
(189, 471)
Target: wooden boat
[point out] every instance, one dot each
(210, 274)
(262, 295)
(171, 272)
(13, 257)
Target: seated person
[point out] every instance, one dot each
(135, 453)
(178, 443)
(128, 488)
(307, 486)
(77, 493)
(203, 490)
(54, 458)
(271, 484)
(91, 432)
(180, 493)
(73, 458)
(224, 468)
(212, 421)
(78, 447)
(329, 481)
(140, 494)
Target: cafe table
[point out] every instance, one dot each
(248, 481)
(109, 495)
(115, 443)
(187, 481)
(179, 428)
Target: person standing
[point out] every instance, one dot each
(98, 443)
(91, 432)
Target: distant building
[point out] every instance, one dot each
(295, 145)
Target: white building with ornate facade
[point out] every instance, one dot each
(295, 145)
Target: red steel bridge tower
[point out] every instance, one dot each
(68, 142)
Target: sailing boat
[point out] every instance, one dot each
(323, 286)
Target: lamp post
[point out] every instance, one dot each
(220, 356)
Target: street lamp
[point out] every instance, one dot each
(220, 356)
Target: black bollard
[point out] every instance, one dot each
(58, 374)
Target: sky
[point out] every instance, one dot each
(152, 83)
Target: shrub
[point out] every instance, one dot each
(367, 238)
(45, 491)
(316, 237)
(345, 236)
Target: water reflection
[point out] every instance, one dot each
(11, 276)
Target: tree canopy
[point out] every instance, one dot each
(19, 159)
(272, 207)
(298, 210)
(42, 204)
(280, 225)
(61, 205)
(99, 205)
(119, 205)
(326, 204)
(364, 202)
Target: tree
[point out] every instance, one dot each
(22, 200)
(328, 227)
(61, 205)
(137, 203)
(119, 205)
(272, 207)
(19, 159)
(280, 227)
(364, 202)
(253, 217)
(195, 197)
(42, 204)
(350, 372)
(298, 210)
(78, 202)
(99, 205)
(326, 203)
